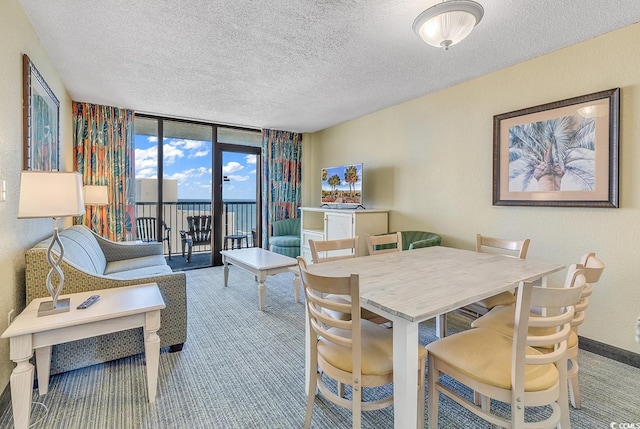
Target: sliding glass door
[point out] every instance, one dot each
(187, 206)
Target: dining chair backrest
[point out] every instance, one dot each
(332, 250)
(544, 331)
(515, 248)
(384, 243)
(592, 268)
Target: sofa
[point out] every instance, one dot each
(91, 263)
(285, 238)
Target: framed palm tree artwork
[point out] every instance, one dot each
(563, 153)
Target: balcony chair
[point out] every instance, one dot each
(355, 351)
(199, 233)
(510, 369)
(285, 238)
(501, 318)
(146, 229)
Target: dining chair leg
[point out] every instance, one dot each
(434, 395)
(563, 401)
(313, 385)
(574, 387)
(574, 393)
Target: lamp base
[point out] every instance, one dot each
(46, 308)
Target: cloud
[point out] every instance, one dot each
(251, 159)
(232, 167)
(238, 178)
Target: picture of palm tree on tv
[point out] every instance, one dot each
(342, 185)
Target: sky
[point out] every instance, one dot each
(189, 162)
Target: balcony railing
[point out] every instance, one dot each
(238, 217)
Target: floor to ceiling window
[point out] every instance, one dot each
(209, 196)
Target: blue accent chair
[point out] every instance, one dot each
(285, 238)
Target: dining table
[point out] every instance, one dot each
(410, 287)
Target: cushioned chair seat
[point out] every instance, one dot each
(501, 319)
(504, 298)
(377, 350)
(473, 353)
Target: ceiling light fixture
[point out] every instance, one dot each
(447, 23)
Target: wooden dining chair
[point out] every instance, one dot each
(511, 369)
(505, 247)
(501, 319)
(355, 352)
(384, 243)
(333, 250)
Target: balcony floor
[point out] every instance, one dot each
(198, 260)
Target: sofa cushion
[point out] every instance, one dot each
(80, 248)
(135, 263)
(141, 272)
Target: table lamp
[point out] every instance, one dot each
(51, 194)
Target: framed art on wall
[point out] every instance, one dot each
(563, 153)
(41, 119)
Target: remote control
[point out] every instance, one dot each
(89, 301)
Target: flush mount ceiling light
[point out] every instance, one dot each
(447, 23)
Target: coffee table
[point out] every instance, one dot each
(260, 262)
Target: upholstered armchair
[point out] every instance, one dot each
(285, 238)
(418, 239)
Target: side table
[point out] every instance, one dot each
(118, 309)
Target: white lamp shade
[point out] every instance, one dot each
(50, 194)
(95, 195)
(447, 23)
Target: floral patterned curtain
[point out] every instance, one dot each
(282, 178)
(103, 149)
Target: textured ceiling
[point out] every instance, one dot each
(300, 65)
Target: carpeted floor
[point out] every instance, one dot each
(242, 368)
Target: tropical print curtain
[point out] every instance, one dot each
(103, 152)
(282, 179)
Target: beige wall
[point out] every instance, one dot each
(430, 162)
(17, 235)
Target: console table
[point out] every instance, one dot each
(117, 309)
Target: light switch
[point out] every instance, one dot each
(3, 190)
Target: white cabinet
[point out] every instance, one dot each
(333, 224)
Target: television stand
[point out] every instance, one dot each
(342, 207)
(322, 223)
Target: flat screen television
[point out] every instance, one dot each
(342, 186)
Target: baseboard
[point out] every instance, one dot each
(609, 351)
